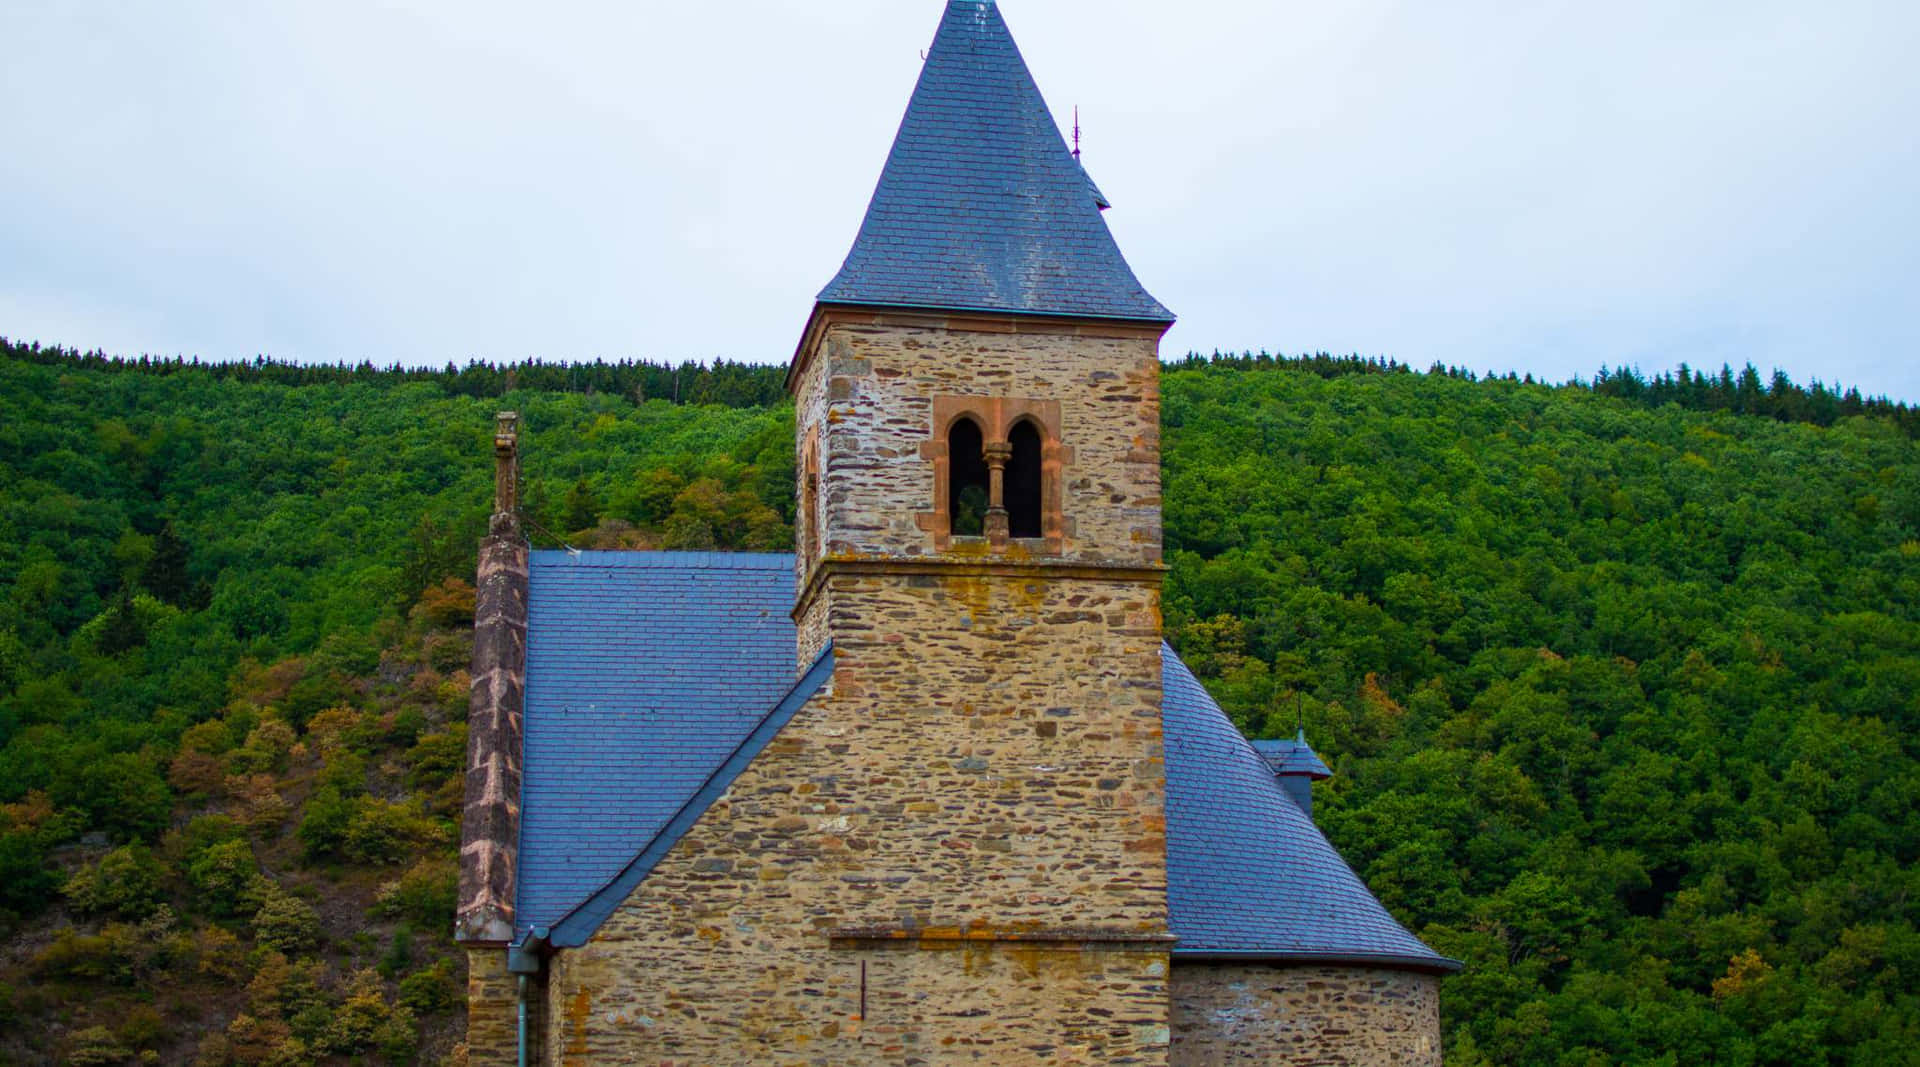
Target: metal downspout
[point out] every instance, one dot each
(523, 1021)
(526, 960)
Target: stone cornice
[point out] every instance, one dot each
(960, 320)
(957, 937)
(967, 568)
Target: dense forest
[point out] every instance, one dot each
(1620, 680)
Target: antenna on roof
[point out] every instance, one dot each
(1076, 131)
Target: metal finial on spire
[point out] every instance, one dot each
(1076, 131)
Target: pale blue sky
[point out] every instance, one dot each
(1543, 187)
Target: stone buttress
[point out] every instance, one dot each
(490, 824)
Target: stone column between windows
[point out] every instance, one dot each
(997, 454)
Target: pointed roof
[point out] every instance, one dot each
(981, 207)
(1293, 758)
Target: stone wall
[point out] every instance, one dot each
(1228, 1013)
(973, 810)
(493, 1019)
(868, 385)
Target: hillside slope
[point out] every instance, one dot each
(1622, 698)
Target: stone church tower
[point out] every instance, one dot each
(989, 818)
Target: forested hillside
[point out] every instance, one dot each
(1621, 682)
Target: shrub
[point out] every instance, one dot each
(448, 604)
(219, 955)
(95, 1047)
(83, 957)
(125, 883)
(122, 794)
(437, 757)
(345, 772)
(378, 832)
(26, 883)
(265, 749)
(285, 922)
(195, 773)
(430, 990)
(365, 1020)
(226, 876)
(324, 827)
(427, 894)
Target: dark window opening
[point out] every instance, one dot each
(809, 516)
(967, 499)
(1023, 482)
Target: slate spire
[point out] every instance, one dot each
(981, 206)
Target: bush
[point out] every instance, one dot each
(125, 883)
(437, 757)
(427, 894)
(365, 1020)
(285, 922)
(324, 827)
(96, 1047)
(265, 750)
(430, 990)
(122, 794)
(226, 877)
(26, 883)
(81, 957)
(378, 832)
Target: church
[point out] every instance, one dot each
(931, 788)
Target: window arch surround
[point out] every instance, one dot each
(1031, 485)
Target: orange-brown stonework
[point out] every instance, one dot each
(869, 392)
(1228, 1013)
(979, 796)
(492, 1007)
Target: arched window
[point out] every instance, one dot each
(1023, 481)
(810, 500)
(967, 493)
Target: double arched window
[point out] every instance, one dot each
(995, 488)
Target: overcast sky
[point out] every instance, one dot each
(1540, 187)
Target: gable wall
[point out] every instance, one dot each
(976, 807)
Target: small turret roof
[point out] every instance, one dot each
(981, 207)
(1293, 758)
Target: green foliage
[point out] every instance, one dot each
(225, 878)
(430, 990)
(96, 1046)
(1618, 696)
(284, 922)
(426, 894)
(124, 884)
(323, 830)
(1619, 680)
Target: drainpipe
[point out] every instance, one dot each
(522, 1038)
(526, 960)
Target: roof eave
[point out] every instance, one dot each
(1388, 961)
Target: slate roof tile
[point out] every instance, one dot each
(648, 671)
(980, 205)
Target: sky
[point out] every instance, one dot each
(1543, 188)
